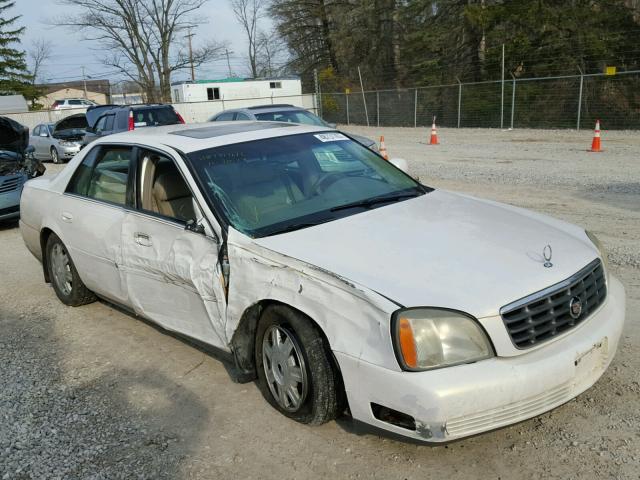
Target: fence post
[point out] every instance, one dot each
(580, 98)
(459, 99)
(222, 98)
(346, 95)
(502, 94)
(364, 99)
(378, 108)
(513, 99)
(415, 110)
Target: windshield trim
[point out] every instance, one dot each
(316, 218)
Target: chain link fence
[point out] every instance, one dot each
(552, 102)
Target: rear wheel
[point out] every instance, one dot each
(64, 276)
(296, 371)
(55, 157)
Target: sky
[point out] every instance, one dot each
(71, 51)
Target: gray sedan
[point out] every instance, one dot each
(60, 141)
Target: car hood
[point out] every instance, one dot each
(72, 127)
(444, 250)
(367, 142)
(14, 137)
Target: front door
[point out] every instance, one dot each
(172, 273)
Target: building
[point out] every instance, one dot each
(235, 89)
(13, 104)
(97, 91)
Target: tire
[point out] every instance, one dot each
(64, 276)
(320, 393)
(55, 156)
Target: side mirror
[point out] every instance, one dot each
(400, 163)
(193, 226)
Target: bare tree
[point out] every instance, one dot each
(248, 13)
(271, 54)
(39, 53)
(142, 38)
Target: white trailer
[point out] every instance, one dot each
(235, 89)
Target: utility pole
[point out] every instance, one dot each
(228, 62)
(193, 72)
(84, 81)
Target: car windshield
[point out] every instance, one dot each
(292, 116)
(271, 186)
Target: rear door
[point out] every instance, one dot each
(92, 211)
(172, 272)
(35, 141)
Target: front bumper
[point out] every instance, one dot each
(10, 203)
(69, 152)
(456, 402)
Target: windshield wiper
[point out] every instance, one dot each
(370, 202)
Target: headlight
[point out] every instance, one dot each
(601, 251)
(426, 338)
(67, 144)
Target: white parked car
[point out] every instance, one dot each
(69, 103)
(330, 275)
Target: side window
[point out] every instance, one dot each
(100, 125)
(75, 102)
(108, 123)
(103, 175)
(213, 93)
(275, 84)
(162, 189)
(79, 183)
(242, 116)
(36, 131)
(225, 117)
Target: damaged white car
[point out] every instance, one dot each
(331, 276)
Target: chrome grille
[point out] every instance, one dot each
(10, 184)
(545, 314)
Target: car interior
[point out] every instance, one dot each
(163, 190)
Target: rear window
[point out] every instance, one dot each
(153, 117)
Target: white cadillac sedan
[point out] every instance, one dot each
(331, 276)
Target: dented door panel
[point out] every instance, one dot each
(173, 277)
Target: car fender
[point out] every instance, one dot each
(354, 319)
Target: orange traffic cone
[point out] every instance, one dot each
(383, 148)
(434, 133)
(595, 144)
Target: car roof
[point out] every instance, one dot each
(199, 136)
(264, 109)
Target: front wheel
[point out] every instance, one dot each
(55, 157)
(64, 276)
(296, 371)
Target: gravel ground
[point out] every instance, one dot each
(92, 392)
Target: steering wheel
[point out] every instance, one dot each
(324, 181)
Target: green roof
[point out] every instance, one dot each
(222, 80)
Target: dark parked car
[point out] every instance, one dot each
(283, 113)
(16, 166)
(104, 120)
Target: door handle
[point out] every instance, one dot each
(67, 217)
(142, 239)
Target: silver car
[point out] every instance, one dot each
(60, 141)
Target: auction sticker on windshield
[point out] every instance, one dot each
(330, 137)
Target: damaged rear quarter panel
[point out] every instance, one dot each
(354, 319)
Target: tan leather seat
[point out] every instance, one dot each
(172, 196)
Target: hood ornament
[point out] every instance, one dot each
(547, 253)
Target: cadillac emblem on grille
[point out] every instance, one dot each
(575, 307)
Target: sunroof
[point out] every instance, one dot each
(229, 129)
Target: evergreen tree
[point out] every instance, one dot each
(13, 67)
